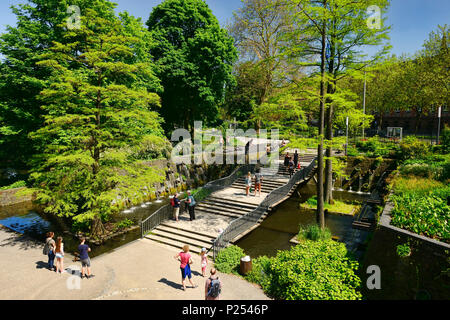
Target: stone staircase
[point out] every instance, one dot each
(178, 237)
(202, 232)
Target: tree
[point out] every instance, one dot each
(256, 29)
(97, 107)
(246, 94)
(194, 58)
(38, 24)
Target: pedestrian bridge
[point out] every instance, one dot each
(227, 213)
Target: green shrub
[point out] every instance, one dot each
(228, 260)
(424, 214)
(17, 184)
(260, 272)
(313, 270)
(403, 250)
(200, 194)
(411, 147)
(124, 223)
(314, 232)
(445, 140)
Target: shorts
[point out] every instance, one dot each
(59, 255)
(186, 272)
(85, 262)
(176, 211)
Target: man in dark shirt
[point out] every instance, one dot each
(84, 258)
(295, 159)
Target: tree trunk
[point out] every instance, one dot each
(320, 203)
(97, 228)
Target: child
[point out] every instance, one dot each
(248, 183)
(204, 262)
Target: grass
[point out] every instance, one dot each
(338, 206)
(415, 184)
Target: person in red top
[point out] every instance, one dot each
(185, 266)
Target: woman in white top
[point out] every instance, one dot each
(59, 254)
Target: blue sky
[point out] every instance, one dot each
(411, 20)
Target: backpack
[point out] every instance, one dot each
(172, 202)
(192, 203)
(46, 249)
(214, 288)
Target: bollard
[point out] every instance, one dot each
(246, 265)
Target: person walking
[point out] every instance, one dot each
(204, 261)
(84, 249)
(59, 254)
(191, 204)
(286, 159)
(213, 286)
(295, 159)
(258, 181)
(291, 167)
(185, 266)
(248, 183)
(49, 249)
(175, 202)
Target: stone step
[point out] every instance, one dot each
(219, 210)
(185, 233)
(229, 205)
(177, 244)
(175, 227)
(184, 239)
(235, 202)
(204, 206)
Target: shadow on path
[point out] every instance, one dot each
(171, 283)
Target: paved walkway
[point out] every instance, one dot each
(138, 270)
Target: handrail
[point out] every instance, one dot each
(243, 223)
(166, 212)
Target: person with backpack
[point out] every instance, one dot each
(191, 205)
(175, 203)
(258, 181)
(84, 258)
(286, 159)
(49, 250)
(185, 266)
(213, 286)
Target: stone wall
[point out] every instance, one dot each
(9, 197)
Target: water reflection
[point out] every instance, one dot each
(284, 222)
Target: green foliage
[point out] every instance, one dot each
(403, 250)
(313, 270)
(98, 107)
(445, 140)
(125, 223)
(374, 147)
(200, 194)
(314, 233)
(194, 58)
(411, 147)
(228, 260)
(260, 272)
(425, 213)
(17, 184)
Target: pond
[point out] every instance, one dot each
(35, 225)
(284, 222)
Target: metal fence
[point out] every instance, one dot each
(241, 224)
(166, 212)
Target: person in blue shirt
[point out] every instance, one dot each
(83, 249)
